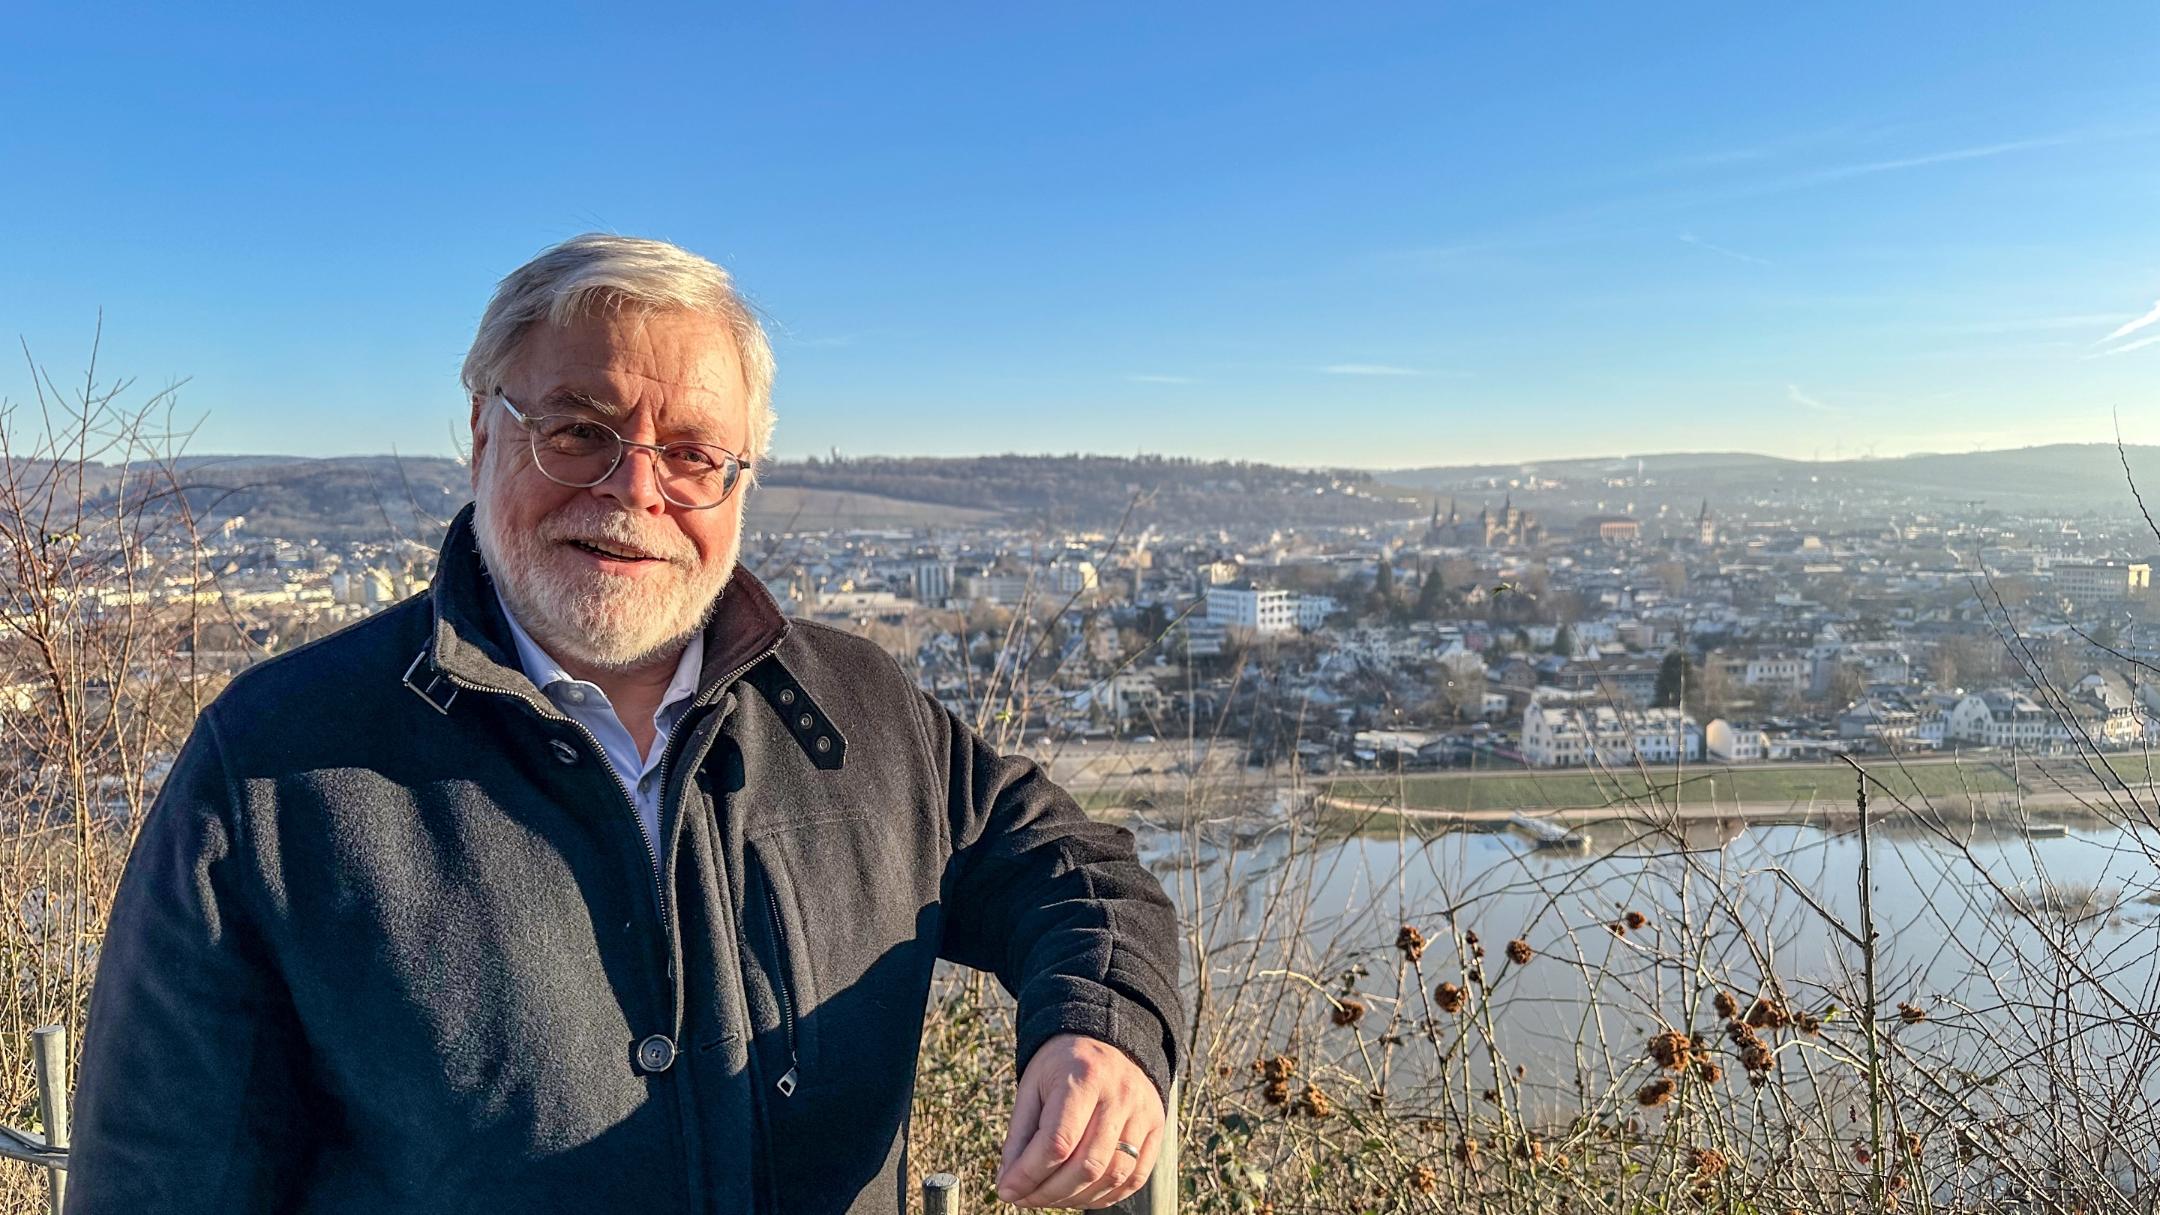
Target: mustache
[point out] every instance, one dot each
(616, 528)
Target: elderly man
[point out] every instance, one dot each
(588, 881)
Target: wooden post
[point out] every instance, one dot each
(1160, 1194)
(51, 1057)
(941, 1194)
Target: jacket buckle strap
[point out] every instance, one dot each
(814, 732)
(438, 692)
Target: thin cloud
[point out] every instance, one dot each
(1146, 378)
(2024, 324)
(1597, 220)
(2127, 347)
(2130, 327)
(1798, 396)
(1368, 369)
(1722, 251)
(1985, 151)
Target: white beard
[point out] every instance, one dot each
(597, 619)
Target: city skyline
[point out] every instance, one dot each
(1384, 240)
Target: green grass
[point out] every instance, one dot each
(1826, 784)
(1829, 786)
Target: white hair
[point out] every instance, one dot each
(593, 271)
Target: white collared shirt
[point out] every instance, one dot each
(587, 705)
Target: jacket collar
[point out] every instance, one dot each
(471, 641)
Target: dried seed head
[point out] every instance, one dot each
(1313, 1103)
(1411, 942)
(1769, 1012)
(1671, 1050)
(1529, 1149)
(1655, 1093)
(1450, 998)
(1808, 1023)
(1348, 1012)
(1470, 938)
(1276, 1092)
(1424, 1180)
(1466, 1151)
(1911, 1014)
(1281, 1067)
(1519, 951)
(1618, 929)
(1636, 920)
(1756, 1057)
(1726, 1006)
(1710, 1072)
(1705, 1163)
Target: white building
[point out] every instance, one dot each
(933, 581)
(1562, 734)
(2086, 583)
(1730, 744)
(1248, 607)
(1000, 588)
(1781, 672)
(1073, 577)
(1313, 610)
(2002, 717)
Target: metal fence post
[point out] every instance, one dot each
(51, 1057)
(941, 1194)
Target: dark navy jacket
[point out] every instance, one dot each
(391, 939)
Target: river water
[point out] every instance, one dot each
(1994, 936)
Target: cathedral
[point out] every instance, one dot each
(1511, 527)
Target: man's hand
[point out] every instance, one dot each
(1079, 1099)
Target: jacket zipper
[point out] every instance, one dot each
(788, 1082)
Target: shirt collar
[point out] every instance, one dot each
(545, 672)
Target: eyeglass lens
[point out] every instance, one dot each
(581, 452)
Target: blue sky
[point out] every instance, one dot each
(1308, 234)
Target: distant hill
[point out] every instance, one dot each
(374, 497)
(379, 497)
(2072, 475)
(1096, 491)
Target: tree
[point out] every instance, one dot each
(1847, 684)
(1676, 675)
(1383, 584)
(1431, 601)
(1563, 642)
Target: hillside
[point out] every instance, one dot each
(2071, 477)
(373, 497)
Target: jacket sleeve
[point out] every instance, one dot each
(1056, 905)
(187, 1097)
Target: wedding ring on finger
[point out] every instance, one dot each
(1128, 1149)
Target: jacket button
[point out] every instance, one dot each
(806, 721)
(564, 752)
(656, 1054)
(787, 696)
